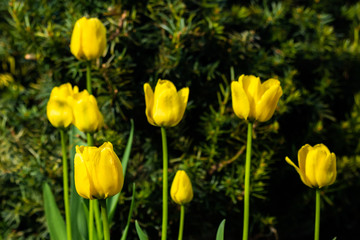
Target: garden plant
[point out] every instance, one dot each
(179, 119)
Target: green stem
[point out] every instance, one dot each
(88, 77)
(317, 215)
(165, 184)
(97, 219)
(247, 182)
(105, 219)
(91, 219)
(181, 227)
(65, 185)
(90, 142)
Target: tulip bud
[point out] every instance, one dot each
(87, 116)
(58, 109)
(181, 189)
(98, 172)
(317, 166)
(254, 100)
(165, 107)
(88, 39)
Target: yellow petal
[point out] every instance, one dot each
(183, 96)
(149, 103)
(252, 88)
(166, 109)
(93, 38)
(87, 117)
(76, 39)
(59, 113)
(240, 102)
(81, 176)
(266, 106)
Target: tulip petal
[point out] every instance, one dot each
(166, 104)
(149, 103)
(252, 88)
(59, 113)
(183, 99)
(81, 176)
(266, 106)
(325, 174)
(240, 100)
(76, 39)
(93, 38)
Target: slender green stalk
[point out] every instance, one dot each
(88, 77)
(181, 227)
(317, 215)
(97, 219)
(247, 182)
(165, 184)
(65, 185)
(91, 219)
(105, 219)
(90, 142)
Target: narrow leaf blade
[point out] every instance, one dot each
(55, 222)
(220, 231)
(141, 234)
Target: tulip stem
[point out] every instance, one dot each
(165, 184)
(90, 142)
(91, 219)
(65, 185)
(105, 219)
(317, 215)
(88, 77)
(247, 182)
(97, 219)
(182, 217)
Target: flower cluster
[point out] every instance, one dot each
(67, 105)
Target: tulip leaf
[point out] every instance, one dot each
(220, 231)
(112, 202)
(141, 234)
(55, 222)
(123, 237)
(79, 226)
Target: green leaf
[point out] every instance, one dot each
(220, 231)
(112, 202)
(123, 237)
(140, 232)
(55, 222)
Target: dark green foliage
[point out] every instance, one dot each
(312, 47)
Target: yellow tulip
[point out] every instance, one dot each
(165, 107)
(88, 39)
(58, 109)
(87, 117)
(98, 172)
(317, 166)
(181, 189)
(254, 100)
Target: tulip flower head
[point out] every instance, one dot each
(254, 100)
(165, 106)
(58, 109)
(88, 39)
(317, 166)
(98, 172)
(87, 116)
(181, 189)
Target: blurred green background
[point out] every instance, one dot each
(312, 47)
